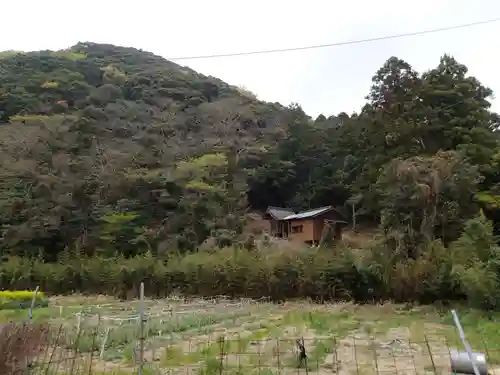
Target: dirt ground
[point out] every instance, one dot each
(339, 338)
(336, 338)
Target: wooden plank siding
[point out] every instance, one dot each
(307, 232)
(312, 229)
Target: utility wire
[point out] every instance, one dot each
(338, 44)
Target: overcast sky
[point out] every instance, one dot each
(327, 81)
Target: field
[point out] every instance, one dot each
(215, 336)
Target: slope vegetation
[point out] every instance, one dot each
(99, 136)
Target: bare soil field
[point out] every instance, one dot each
(221, 336)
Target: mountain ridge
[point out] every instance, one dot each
(96, 80)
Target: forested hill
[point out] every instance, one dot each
(114, 150)
(103, 144)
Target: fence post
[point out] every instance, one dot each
(221, 354)
(78, 321)
(141, 329)
(103, 344)
(465, 343)
(33, 301)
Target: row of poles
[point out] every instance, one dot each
(142, 322)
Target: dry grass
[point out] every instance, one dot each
(342, 337)
(20, 343)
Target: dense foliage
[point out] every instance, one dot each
(113, 149)
(111, 153)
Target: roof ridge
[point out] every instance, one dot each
(316, 209)
(279, 213)
(281, 208)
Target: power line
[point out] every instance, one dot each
(338, 44)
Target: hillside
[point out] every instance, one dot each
(113, 150)
(97, 132)
(131, 93)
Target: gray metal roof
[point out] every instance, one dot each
(279, 213)
(308, 214)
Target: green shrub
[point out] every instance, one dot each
(234, 272)
(319, 274)
(476, 263)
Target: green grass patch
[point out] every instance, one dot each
(40, 314)
(259, 334)
(212, 366)
(322, 348)
(175, 356)
(323, 322)
(481, 329)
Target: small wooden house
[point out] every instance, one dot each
(305, 226)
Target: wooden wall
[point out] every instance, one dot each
(312, 228)
(307, 233)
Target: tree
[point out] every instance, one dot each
(476, 263)
(457, 113)
(426, 197)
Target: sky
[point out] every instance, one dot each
(327, 80)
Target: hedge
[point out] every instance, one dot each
(322, 275)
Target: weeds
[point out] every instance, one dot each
(330, 331)
(19, 344)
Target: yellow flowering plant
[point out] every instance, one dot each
(21, 299)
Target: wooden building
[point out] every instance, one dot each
(305, 226)
(277, 226)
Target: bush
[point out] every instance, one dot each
(437, 274)
(240, 273)
(21, 299)
(426, 279)
(319, 275)
(476, 263)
